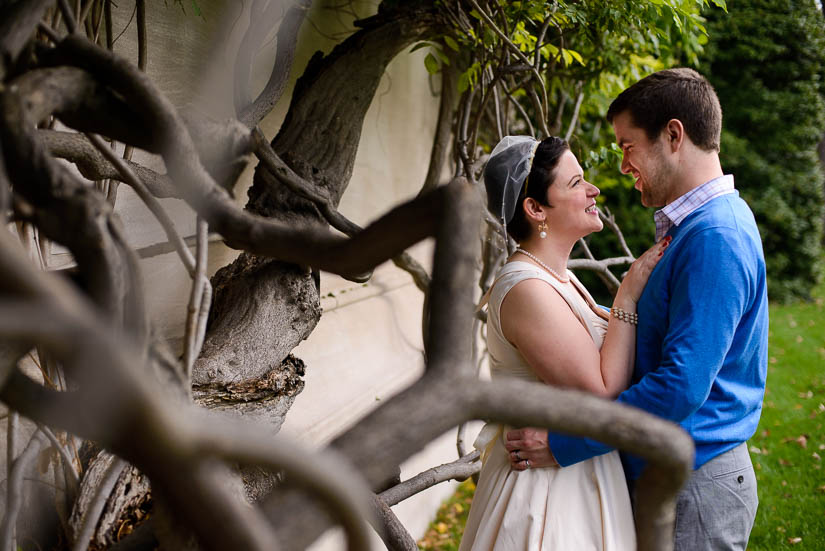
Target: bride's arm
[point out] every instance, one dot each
(539, 322)
(618, 351)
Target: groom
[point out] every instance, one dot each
(701, 344)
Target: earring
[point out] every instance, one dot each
(542, 230)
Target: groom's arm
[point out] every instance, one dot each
(709, 294)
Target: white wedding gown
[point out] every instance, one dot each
(578, 508)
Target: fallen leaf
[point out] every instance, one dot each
(797, 406)
(772, 360)
(794, 541)
(799, 338)
(792, 322)
(808, 394)
(822, 489)
(784, 482)
(816, 456)
(780, 529)
(754, 449)
(785, 463)
(802, 440)
(441, 527)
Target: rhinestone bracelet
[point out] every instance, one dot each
(624, 315)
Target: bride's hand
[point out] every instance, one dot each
(634, 282)
(528, 449)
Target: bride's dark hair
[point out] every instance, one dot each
(542, 174)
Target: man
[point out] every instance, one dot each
(701, 344)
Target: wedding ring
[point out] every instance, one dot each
(526, 463)
(516, 455)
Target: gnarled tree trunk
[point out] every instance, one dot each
(264, 308)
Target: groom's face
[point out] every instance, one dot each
(645, 160)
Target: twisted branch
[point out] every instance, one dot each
(395, 537)
(135, 422)
(460, 469)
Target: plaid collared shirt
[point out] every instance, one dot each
(673, 214)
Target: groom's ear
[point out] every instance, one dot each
(675, 134)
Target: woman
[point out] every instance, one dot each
(544, 326)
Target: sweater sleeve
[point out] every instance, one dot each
(709, 289)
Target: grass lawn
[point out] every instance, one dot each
(787, 449)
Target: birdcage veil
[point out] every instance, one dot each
(505, 173)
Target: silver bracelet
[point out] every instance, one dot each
(623, 315)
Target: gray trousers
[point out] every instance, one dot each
(716, 508)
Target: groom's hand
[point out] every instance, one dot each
(528, 448)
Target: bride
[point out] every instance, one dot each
(544, 326)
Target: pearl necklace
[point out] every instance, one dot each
(552, 272)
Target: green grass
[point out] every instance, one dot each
(788, 449)
(445, 531)
(789, 445)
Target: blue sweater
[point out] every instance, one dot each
(702, 339)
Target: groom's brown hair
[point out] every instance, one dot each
(681, 94)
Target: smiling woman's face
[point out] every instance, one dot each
(573, 200)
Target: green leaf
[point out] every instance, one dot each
(550, 51)
(576, 55)
(678, 21)
(442, 56)
(451, 42)
(420, 45)
(196, 8)
(463, 82)
(568, 58)
(720, 4)
(431, 63)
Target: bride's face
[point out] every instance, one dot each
(573, 199)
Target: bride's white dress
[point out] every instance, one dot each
(579, 508)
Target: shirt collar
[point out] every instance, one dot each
(674, 213)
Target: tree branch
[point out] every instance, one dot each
(198, 308)
(72, 480)
(149, 200)
(17, 23)
(75, 148)
(68, 15)
(443, 126)
(94, 510)
(133, 419)
(460, 469)
(395, 536)
(253, 114)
